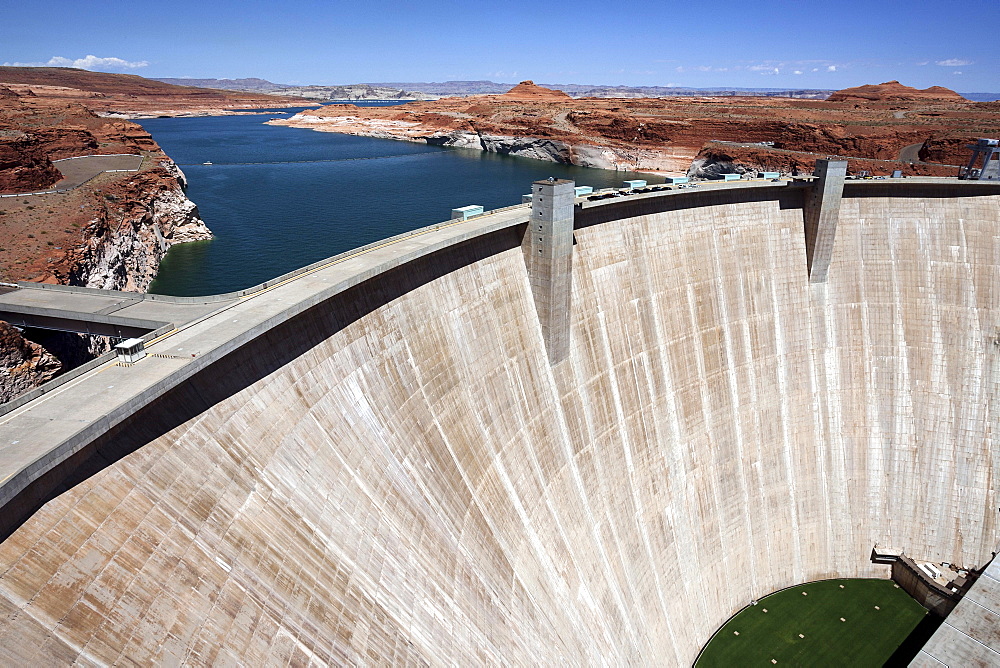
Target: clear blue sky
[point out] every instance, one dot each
(747, 43)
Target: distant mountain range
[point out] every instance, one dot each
(353, 92)
(429, 90)
(252, 84)
(460, 88)
(346, 92)
(397, 90)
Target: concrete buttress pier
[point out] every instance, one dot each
(548, 254)
(821, 212)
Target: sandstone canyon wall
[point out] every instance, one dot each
(24, 365)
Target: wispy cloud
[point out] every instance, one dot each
(700, 68)
(86, 63)
(953, 62)
(767, 67)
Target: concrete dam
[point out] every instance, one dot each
(406, 456)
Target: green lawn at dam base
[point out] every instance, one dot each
(856, 622)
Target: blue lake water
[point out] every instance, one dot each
(279, 198)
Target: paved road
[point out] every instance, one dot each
(910, 153)
(77, 171)
(103, 312)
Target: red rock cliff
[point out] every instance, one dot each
(24, 365)
(891, 91)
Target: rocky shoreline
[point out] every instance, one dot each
(669, 135)
(552, 150)
(122, 250)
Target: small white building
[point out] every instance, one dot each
(466, 212)
(131, 350)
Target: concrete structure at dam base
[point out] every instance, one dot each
(438, 449)
(970, 635)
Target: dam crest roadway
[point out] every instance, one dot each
(101, 417)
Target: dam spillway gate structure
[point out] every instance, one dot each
(375, 460)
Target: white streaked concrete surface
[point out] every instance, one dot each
(403, 478)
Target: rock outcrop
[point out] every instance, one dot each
(950, 150)
(720, 158)
(140, 220)
(529, 91)
(893, 91)
(24, 164)
(24, 364)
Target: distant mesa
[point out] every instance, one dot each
(252, 84)
(529, 91)
(892, 91)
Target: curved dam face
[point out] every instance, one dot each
(399, 475)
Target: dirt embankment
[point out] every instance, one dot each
(667, 134)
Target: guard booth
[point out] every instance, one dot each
(131, 351)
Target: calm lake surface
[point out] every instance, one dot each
(279, 198)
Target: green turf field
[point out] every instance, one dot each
(877, 617)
